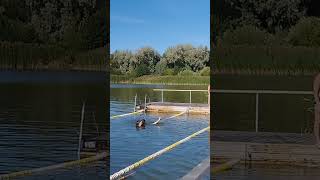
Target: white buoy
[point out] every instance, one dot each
(157, 121)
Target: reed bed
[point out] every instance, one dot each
(26, 56)
(165, 80)
(273, 60)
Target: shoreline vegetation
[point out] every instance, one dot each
(180, 64)
(161, 80)
(265, 72)
(266, 38)
(50, 36)
(37, 57)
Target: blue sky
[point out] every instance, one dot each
(158, 23)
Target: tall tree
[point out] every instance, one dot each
(147, 56)
(123, 61)
(186, 57)
(272, 15)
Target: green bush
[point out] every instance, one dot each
(306, 32)
(141, 70)
(169, 72)
(161, 67)
(186, 73)
(246, 35)
(205, 71)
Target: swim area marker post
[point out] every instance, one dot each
(81, 127)
(135, 103)
(145, 103)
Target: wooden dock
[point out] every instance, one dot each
(175, 107)
(265, 148)
(170, 107)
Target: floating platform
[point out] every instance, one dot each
(265, 148)
(201, 171)
(170, 107)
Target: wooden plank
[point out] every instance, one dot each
(199, 171)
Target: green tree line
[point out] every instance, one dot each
(266, 35)
(69, 27)
(182, 59)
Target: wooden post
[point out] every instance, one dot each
(257, 112)
(96, 124)
(81, 125)
(135, 103)
(190, 98)
(209, 95)
(161, 95)
(145, 102)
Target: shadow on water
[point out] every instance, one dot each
(40, 121)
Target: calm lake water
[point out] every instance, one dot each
(277, 113)
(129, 145)
(40, 121)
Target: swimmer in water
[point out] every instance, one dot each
(140, 123)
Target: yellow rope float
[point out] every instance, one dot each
(225, 166)
(124, 171)
(156, 122)
(54, 167)
(127, 114)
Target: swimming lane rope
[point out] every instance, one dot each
(124, 171)
(176, 115)
(54, 167)
(127, 114)
(225, 166)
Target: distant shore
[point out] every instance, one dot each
(163, 80)
(265, 72)
(50, 77)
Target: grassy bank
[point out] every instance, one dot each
(166, 80)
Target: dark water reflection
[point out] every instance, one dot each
(277, 113)
(40, 123)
